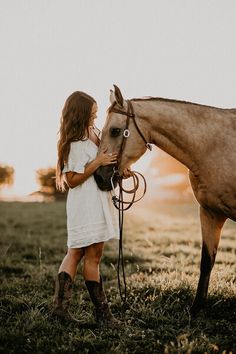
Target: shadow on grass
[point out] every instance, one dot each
(155, 320)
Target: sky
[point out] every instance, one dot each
(183, 49)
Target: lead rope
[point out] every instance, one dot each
(119, 203)
(121, 256)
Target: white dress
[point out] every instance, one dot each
(91, 216)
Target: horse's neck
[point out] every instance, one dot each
(178, 128)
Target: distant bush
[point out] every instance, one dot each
(46, 178)
(6, 175)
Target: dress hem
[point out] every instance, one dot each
(92, 242)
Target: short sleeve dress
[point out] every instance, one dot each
(91, 216)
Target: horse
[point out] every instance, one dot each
(201, 137)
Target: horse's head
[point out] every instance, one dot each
(121, 136)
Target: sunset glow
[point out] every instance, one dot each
(43, 62)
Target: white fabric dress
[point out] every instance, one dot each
(91, 216)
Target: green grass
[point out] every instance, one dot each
(162, 252)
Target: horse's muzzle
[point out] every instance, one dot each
(103, 176)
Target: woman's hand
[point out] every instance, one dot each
(106, 159)
(127, 173)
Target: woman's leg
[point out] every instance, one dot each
(92, 257)
(94, 284)
(71, 261)
(64, 282)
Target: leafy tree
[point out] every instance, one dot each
(46, 177)
(6, 175)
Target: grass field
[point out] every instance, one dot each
(162, 252)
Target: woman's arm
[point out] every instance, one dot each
(74, 179)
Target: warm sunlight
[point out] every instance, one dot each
(166, 178)
(85, 270)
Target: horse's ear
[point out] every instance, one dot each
(112, 97)
(118, 96)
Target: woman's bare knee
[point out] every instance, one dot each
(93, 253)
(75, 253)
(92, 258)
(95, 259)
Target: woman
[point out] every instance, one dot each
(91, 217)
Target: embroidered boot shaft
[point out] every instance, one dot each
(102, 309)
(62, 297)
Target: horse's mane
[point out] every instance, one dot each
(149, 98)
(162, 99)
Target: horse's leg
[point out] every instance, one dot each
(211, 225)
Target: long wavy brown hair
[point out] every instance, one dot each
(74, 125)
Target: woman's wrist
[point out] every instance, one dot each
(94, 165)
(97, 161)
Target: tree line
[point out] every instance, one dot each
(46, 178)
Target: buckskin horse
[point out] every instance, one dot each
(201, 137)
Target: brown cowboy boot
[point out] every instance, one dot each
(62, 297)
(102, 309)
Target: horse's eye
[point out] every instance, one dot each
(114, 132)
